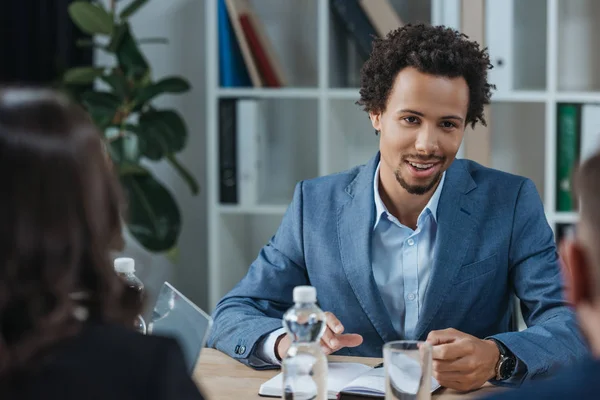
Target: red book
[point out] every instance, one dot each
(260, 56)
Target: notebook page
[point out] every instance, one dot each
(338, 376)
(373, 382)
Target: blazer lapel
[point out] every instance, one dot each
(455, 222)
(355, 225)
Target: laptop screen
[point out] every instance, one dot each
(174, 315)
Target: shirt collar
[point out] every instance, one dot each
(431, 206)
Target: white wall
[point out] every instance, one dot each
(182, 23)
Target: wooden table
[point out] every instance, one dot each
(223, 378)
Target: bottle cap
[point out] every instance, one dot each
(124, 265)
(305, 294)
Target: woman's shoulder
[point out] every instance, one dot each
(109, 361)
(122, 340)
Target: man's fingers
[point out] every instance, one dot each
(336, 342)
(329, 338)
(325, 348)
(460, 365)
(449, 376)
(450, 351)
(333, 323)
(453, 384)
(443, 336)
(350, 340)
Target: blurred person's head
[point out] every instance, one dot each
(60, 216)
(580, 252)
(422, 86)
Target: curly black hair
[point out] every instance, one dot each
(435, 50)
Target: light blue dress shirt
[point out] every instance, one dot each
(402, 258)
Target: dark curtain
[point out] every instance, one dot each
(37, 41)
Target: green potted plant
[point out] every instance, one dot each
(134, 129)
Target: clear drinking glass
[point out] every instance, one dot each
(407, 370)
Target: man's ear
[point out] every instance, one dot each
(375, 121)
(576, 271)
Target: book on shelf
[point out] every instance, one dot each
(578, 138)
(567, 150)
(347, 381)
(382, 15)
(477, 143)
(232, 9)
(498, 37)
(228, 191)
(257, 50)
(251, 150)
(356, 23)
(232, 70)
(260, 45)
(590, 131)
(242, 151)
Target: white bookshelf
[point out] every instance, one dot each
(317, 110)
(535, 132)
(335, 134)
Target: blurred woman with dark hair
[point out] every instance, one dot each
(65, 319)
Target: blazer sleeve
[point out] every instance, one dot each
(552, 339)
(255, 307)
(170, 378)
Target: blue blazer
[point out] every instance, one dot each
(493, 242)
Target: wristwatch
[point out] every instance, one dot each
(507, 362)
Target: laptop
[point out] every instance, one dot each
(174, 315)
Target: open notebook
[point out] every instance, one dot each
(346, 378)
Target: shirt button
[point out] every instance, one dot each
(411, 296)
(237, 349)
(410, 242)
(242, 350)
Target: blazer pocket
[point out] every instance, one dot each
(476, 269)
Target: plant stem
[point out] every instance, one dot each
(184, 173)
(113, 4)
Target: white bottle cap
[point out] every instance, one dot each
(125, 265)
(305, 294)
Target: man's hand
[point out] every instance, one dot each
(331, 341)
(462, 362)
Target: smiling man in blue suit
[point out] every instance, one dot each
(415, 244)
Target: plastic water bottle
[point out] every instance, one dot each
(305, 365)
(125, 268)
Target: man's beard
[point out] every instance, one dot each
(418, 189)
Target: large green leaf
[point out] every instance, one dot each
(130, 58)
(161, 133)
(117, 38)
(82, 75)
(132, 8)
(165, 85)
(91, 18)
(125, 149)
(117, 82)
(102, 106)
(153, 217)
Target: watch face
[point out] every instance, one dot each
(507, 368)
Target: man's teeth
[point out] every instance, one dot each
(422, 166)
